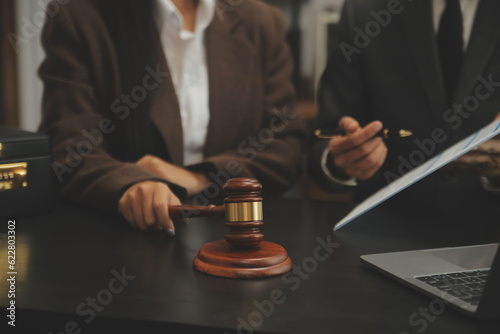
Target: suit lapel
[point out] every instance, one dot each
(483, 41)
(230, 62)
(165, 111)
(419, 28)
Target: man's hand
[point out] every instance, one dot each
(145, 206)
(484, 159)
(191, 181)
(359, 153)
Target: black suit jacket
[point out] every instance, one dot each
(393, 74)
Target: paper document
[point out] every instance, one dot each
(422, 171)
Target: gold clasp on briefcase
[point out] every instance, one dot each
(13, 176)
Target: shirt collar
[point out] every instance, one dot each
(168, 14)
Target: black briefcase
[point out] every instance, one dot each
(26, 178)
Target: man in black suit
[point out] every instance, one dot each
(429, 66)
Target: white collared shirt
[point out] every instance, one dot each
(468, 7)
(186, 57)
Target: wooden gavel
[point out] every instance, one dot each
(243, 253)
(242, 210)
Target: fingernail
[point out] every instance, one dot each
(170, 233)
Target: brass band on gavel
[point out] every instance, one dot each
(244, 211)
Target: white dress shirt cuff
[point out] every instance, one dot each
(351, 182)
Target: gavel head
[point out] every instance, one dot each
(244, 216)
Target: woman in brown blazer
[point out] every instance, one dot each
(133, 133)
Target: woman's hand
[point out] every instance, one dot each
(145, 206)
(359, 153)
(191, 181)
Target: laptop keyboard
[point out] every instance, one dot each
(465, 285)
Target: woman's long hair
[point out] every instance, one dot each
(133, 30)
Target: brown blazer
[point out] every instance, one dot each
(249, 76)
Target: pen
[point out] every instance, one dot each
(385, 133)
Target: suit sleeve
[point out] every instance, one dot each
(278, 164)
(86, 172)
(341, 93)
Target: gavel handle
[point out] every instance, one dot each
(180, 212)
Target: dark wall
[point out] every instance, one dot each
(8, 59)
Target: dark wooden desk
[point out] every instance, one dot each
(70, 257)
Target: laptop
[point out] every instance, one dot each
(464, 278)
